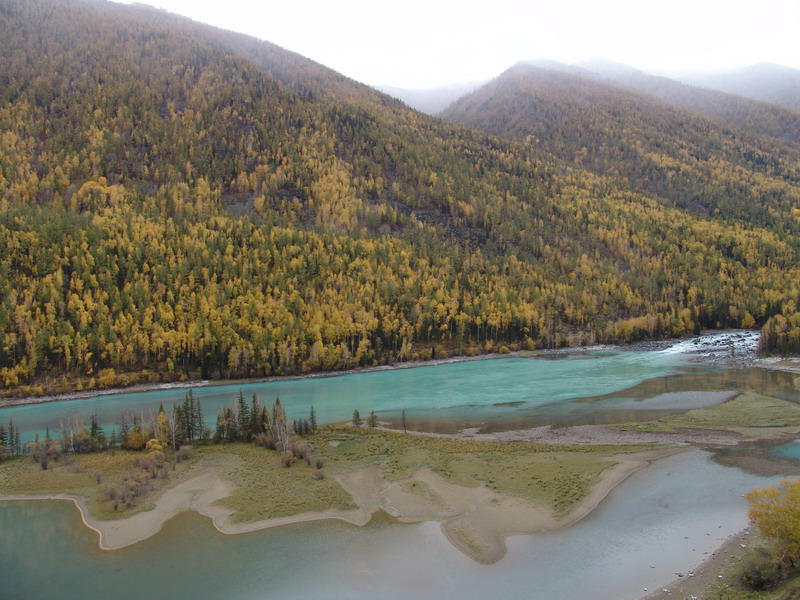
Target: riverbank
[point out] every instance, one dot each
(476, 520)
(735, 347)
(143, 388)
(716, 573)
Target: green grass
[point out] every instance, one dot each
(556, 476)
(747, 410)
(266, 489)
(789, 590)
(75, 474)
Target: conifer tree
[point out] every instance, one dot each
(312, 420)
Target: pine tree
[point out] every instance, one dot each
(256, 425)
(312, 420)
(3, 442)
(192, 417)
(372, 421)
(242, 417)
(356, 419)
(199, 426)
(97, 438)
(17, 446)
(12, 441)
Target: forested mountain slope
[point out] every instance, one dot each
(738, 112)
(178, 201)
(675, 154)
(764, 81)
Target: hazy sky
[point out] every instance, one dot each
(424, 43)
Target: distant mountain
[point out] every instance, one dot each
(764, 81)
(742, 113)
(664, 149)
(180, 201)
(431, 100)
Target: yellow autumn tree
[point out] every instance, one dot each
(162, 430)
(776, 513)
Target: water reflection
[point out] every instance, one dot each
(666, 516)
(492, 395)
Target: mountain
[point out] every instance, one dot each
(178, 201)
(744, 114)
(431, 101)
(661, 148)
(764, 81)
(754, 116)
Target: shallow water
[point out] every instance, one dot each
(666, 516)
(495, 394)
(669, 517)
(788, 450)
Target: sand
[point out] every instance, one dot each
(601, 435)
(476, 520)
(718, 571)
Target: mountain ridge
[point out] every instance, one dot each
(769, 82)
(180, 201)
(613, 130)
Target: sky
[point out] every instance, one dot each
(427, 43)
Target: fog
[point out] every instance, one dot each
(422, 44)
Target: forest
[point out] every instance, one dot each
(179, 202)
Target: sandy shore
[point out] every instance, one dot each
(711, 346)
(142, 388)
(599, 435)
(719, 570)
(475, 520)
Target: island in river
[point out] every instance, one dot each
(480, 489)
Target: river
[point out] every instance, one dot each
(666, 518)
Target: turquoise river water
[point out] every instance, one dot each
(664, 519)
(496, 394)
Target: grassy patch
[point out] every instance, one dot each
(266, 489)
(557, 476)
(84, 475)
(733, 590)
(746, 410)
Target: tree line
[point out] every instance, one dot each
(197, 205)
(171, 429)
(780, 335)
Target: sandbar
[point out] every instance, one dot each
(476, 520)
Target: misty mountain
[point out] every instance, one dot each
(765, 81)
(741, 113)
(430, 100)
(180, 201)
(659, 147)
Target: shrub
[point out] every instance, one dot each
(764, 570)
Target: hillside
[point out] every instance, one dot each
(179, 201)
(765, 81)
(680, 156)
(744, 114)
